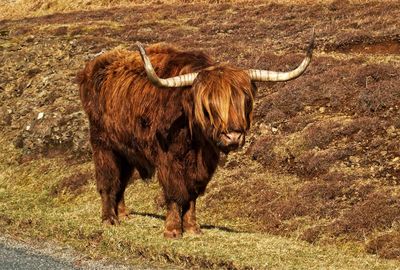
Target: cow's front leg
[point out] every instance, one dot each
(189, 222)
(173, 222)
(112, 175)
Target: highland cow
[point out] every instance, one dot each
(176, 126)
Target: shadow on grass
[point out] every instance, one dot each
(203, 226)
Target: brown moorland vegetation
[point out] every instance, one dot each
(322, 162)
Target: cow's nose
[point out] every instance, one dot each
(233, 138)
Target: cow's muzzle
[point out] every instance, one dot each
(231, 141)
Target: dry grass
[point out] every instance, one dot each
(386, 245)
(33, 8)
(322, 163)
(29, 209)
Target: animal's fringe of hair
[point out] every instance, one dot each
(216, 98)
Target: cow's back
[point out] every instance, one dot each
(123, 106)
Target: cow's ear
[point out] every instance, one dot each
(254, 89)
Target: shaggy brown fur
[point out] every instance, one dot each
(174, 131)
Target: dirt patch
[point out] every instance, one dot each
(382, 46)
(73, 184)
(26, 223)
(376, 211)
(311, 235)
(5, 220)
(386, 245)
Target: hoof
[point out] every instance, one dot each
(124, 215)
(111, 221)
(173, 234)
(193, 230)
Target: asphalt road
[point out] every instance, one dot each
(24, 255)
(14, 258)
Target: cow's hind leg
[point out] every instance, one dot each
(189, 222)
(125, 174)
(111, 180)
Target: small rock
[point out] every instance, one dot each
(40, 115)
(73, 42)
(30, 38)
(322, 109)
(4, 33)
(354, 159)
(28, 128)
(274, 130)
(391, 130)
(19, 142)
(99, 53)
(264, 128)
(6, 120)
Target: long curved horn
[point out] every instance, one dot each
(274, 76)
(177, 81)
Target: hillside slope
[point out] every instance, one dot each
(322, 162)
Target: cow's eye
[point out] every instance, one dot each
(206, 114)
(247, 103)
